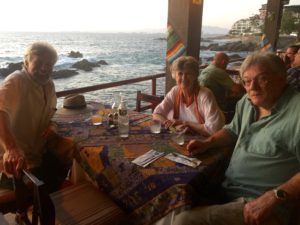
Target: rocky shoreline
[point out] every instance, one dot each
(83, 64)
(232, 44)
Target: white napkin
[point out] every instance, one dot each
(179, 158)
(147, 158)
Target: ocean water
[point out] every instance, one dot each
(129, 55)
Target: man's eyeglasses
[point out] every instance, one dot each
(261, 80)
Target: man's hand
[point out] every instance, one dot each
(50, 132)
(259, 209)
(195, 147)
(14, 162)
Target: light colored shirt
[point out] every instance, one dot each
(207, 107)
(30, 107)
(218, 81)
(267, 151)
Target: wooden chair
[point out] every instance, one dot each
(152, 99)
(42, 211)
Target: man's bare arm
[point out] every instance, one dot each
(13, 159)
(221, 138)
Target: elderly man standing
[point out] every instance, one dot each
(27, 103)
(218, 81)
(263, 177)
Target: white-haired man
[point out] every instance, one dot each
(27, 104)
(263, 178)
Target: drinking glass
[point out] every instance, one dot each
(155, 126)
(178, 137)
(123, 128)
(97, 118)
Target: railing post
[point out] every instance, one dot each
(153, 86)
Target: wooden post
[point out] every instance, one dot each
(184, 32)
(273, 20)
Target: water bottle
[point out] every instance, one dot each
(114, 108)
(123, 119)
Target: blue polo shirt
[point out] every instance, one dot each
(267, 151)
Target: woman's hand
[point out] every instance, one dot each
(172, 123)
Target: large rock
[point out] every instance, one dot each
(102, 62)
(63, 73)
(12, 67)
(237, 46)
(73, 54)
(85, 65)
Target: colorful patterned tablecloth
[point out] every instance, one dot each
(149, 193)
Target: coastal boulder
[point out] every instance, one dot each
(102, 62)
(63, 73)
(237, 46)
(12, 67)
(73, 54)
(85, 65)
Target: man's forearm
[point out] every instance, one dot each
(7, 140)
(221, 138)
(292, 187)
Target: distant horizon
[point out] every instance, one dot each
(145, 30)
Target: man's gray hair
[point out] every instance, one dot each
(185, 62)
(39, 48)
(267, 60)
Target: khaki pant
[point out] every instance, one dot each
(227, 214)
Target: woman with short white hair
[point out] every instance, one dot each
(187, 105)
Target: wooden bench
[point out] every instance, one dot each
(84, 204)
(78, 204)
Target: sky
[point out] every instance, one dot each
(113, 15)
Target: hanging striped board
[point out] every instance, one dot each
(175, 47)
(265, 45)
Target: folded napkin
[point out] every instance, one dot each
(147, 158)
(179, 158)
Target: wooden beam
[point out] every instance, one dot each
(273, 21)
(184, 32)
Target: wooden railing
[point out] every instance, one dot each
(113, 84)
(129, 81)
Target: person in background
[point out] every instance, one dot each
(27, 104)
(263, 178)
(187, 105)
(218, 81)
(293, 74)
(290, 53)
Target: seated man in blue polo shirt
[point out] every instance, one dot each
(263, 178)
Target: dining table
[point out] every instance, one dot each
(148, 193)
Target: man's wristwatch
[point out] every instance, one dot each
(280, 194)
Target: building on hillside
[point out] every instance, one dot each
(254, 24)
(240, 27)
(295, 9)
(251, 25)
(263, 12)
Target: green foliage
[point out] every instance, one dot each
(288, 23)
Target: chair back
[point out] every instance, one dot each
(43, 211)
(152, 99)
